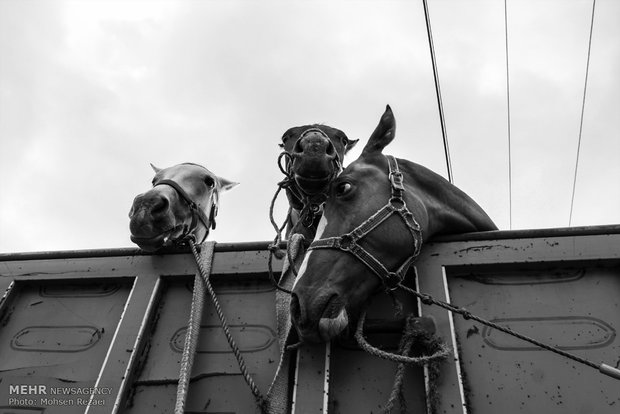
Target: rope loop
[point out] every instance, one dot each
(287, 155)
(439, 354)
(411, 335)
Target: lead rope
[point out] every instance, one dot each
(191, 337)
(411, 334)
(274, 247)
(397, 389)
(429, 300)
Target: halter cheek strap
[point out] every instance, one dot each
(197, 213)
(395, 205)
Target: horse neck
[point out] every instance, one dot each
(446, 209)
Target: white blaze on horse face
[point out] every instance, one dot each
(319, 233)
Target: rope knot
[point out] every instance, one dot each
(426, 299)
(276, 251)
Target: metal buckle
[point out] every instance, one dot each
(185, 239)
(396, 178)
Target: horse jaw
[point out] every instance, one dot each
(329, 328)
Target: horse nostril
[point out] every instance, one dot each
(160, 205)
(298, 147)
(330, 150)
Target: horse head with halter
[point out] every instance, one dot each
(312, 157)
(182, 204)
(377, 214)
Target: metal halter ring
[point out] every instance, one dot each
(398, 204)
(346, 242)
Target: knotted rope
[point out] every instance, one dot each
(439, 354)
(191, 338)
(411, 335)
(429, 300)
(274, 247)
(279, 393)
(404, 348)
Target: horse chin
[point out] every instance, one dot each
(311, 185)
(330, 328)
(156, 242)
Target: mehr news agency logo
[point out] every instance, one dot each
(46, 396)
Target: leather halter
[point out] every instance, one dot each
(395, 205)
(197, 213)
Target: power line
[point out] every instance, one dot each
(508, 110)
(583, 107)
(438, 92)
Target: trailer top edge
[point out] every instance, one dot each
(263, 245)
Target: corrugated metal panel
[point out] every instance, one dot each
(114, 319)
(560, 290)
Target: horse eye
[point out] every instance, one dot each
(343, 189)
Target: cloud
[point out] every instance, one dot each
(93, 92)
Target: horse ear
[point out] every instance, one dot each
(225, 184)
(351, 144)
(382, 135)
(155, 169)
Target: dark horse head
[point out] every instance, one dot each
(378, 207)
(183, 202)
(314, 155)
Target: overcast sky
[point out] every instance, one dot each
(92, 92)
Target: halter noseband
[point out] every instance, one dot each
(395, 205)
(197, 213)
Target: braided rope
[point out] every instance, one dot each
(439, 354)
(410, 336)
(429, 300)
(205, 270)
(274, 247)
(406, 342)
(191, 336)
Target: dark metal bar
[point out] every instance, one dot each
(263, 245)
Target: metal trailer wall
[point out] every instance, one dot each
(107, 327)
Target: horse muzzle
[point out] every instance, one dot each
(314, 161)
(313, 185)
(330, 321)
(151, 222)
